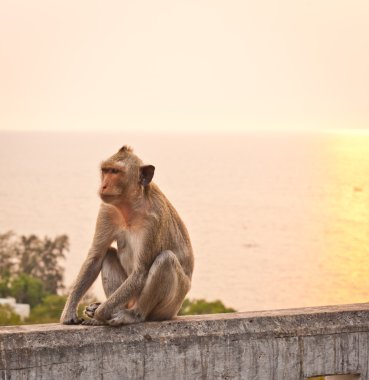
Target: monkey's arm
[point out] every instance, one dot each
(104, 236)
(87, 275)
(131, 288)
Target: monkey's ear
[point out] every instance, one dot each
(146, 174)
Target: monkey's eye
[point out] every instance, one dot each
(110, 170)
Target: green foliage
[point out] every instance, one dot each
(27, 289)
(5, 290)
(200, 306)
(34, 256)
(49, 310)
(40, 258)
(8, 316)
(31, 272)
(8, 252)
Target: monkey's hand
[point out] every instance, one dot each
(70, 318)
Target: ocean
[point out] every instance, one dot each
(276, 219)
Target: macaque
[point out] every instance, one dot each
(149, 274)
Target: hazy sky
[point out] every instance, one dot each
(183, 64)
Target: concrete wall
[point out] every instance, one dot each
(283, 345)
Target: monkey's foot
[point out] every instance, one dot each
(125, 317)
(93, 322)
(90, 310)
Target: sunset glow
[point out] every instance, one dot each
(184, 65)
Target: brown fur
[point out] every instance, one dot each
(149, 274)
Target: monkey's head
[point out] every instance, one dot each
(123, 176)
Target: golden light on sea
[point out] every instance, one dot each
(345, 218)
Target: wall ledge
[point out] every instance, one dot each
(280, 344)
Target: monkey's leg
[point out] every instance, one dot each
(165, 289)
(112, 274)
(163, 293)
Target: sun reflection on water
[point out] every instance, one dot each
(345, 214)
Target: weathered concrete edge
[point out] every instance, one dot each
(250, 325)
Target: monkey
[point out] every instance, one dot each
(149, 273)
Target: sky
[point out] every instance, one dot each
(184, 65)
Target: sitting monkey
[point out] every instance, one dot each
(149, 275)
